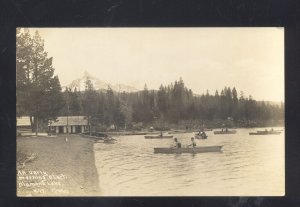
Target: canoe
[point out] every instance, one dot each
(159, 137)
(183, 132)
(109, 141)
(225, 132)
(205, 129)
(201, 149)
(178, 132)
(264, 132)
(198, 136)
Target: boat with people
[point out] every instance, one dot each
(226, 131)
(109, 140)
(201, 135)
(265, 132)
(174, 150)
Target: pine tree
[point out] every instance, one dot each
(38, 90)
(90, 103)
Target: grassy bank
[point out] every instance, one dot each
(50, 166)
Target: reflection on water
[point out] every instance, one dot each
(247, 165)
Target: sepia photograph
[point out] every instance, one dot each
(193, 111)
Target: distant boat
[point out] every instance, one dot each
(109, 140)
(206, 130)
(265, 132)
(225, 132)
(158, 136)
(201, 149)
(176, 132)
(201, 136)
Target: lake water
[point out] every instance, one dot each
(247, 166)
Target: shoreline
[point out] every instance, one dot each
(50, 166)
(171, 131)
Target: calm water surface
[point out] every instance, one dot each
(247, 165)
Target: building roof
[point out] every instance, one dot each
(23, 121)
(71, 120)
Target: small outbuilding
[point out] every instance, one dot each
(71, 124)
(23, 124)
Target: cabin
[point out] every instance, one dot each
(71, 124)
(23, 125)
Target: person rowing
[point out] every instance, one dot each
(193, 144)
(177, 143)
(202, 134)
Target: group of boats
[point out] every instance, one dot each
(198, 149)
(201, 135)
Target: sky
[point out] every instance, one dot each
(250, 59)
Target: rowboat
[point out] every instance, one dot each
(264, 132)
(109, 140)
(206, 129)
(158, 136)
(225, 132)
(200, 136)
(179, 132)
(201, 149)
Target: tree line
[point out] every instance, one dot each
(40, 96)
(170, 104)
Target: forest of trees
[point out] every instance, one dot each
(40, 96)
(170, 104)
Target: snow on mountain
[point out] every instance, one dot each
(98, 84)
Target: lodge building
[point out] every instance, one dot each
(74, 124)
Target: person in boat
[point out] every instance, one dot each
(177, 143)
(193, 144)
(107, 138)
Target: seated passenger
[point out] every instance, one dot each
(177, 143)
(193, 144)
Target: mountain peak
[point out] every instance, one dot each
(87, 75)
(98, 84)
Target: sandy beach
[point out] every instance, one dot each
(50, 166)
